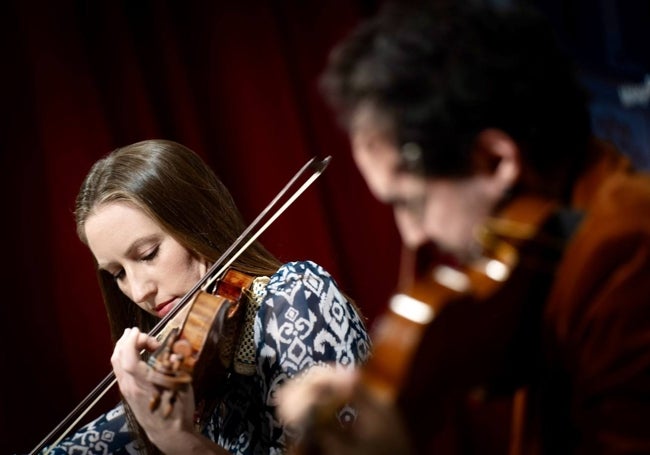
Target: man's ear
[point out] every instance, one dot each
(497, 155)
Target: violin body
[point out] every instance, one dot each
(468, 341)
(202, 348)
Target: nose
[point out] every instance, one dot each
(410, 227)
(140, 287)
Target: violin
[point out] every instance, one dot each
(432, 286)
(462, 340)
(196, 330)
(209, 331)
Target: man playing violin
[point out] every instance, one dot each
(468, 119)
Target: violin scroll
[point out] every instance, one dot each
(166, 372)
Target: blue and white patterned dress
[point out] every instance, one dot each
(299, 319)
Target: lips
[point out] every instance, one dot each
(164, 308)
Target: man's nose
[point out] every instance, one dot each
(410, 228)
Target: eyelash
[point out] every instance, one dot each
(151, 256)
(118, 276)
(146, 258)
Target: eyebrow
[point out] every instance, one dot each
(130, 251)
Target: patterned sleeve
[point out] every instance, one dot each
(305, 320)
(108, 434)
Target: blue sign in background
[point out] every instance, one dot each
(609, 41)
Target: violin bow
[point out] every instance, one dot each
(302, 178)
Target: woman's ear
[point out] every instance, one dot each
(497, 155)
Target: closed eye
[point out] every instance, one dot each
(151, 255)
(118, 275)
(412, 205)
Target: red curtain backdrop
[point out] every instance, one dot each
(234, 80)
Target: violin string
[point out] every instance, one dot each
(317, 167)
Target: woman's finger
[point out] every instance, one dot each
(144, 341)
(126, 354)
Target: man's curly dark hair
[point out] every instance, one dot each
(444, 71)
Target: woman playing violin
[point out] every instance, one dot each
(155, 218)
(457, 113)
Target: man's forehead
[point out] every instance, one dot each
(366, 116)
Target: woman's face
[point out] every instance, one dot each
(149, 266)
